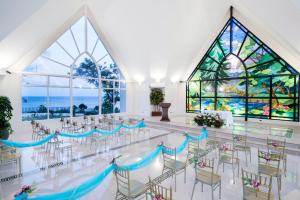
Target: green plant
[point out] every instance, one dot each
(156, 97)
(5, 114)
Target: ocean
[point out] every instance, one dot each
(30, 102)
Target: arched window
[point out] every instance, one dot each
(239, 73)
(75, 76)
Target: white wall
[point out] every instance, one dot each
(140, 100)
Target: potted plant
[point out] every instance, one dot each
(156, 97)
(5, 116)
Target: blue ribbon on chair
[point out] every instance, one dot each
(77, 135)
(140, 124)
(27, 144)
(107, 132)
(141, 163)
(89, 185)
(77, 192)
(202, 136)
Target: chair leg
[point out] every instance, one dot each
(185, 175)
(212, 193)
(250, 155)
(193, 189)
(233, 174)
(279, 187)
(246, 158)
(201, 187)
(223, 167)
(175, 182)
(220, 186)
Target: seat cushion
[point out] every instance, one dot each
(268, 170)
(228, 159)
(137, 188)
(175, 165)
(207, 177)
(252, 194)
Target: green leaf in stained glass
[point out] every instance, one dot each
(248, 47)
(269, 68)
(196, 76)
(259, 57)
(216, 53)
(207, 75)
(209, 64)
(194, 89)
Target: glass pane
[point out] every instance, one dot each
(194, 104)
(225, 40)
(117, 103)
(231, 67)
(100, 52)
(59, 81)
(59, 102)
(107, 84)
(232, 88)
(92, 37)
(122, 100)
(44, 65)
(78, 30)
(34, 80)
(283, 107)
(259, 107)
(56, 53)
(123, 84)
(268, 68)
(283, 86)
(259, 87)
(216, 53)
(85, 67)
(109, 73)
(259, 57)
(34, 103)
(67, 41)
(194, 89)
(238, 36)
(248, 47)
(207, 88)
(234, 105)
(209, 64)
(196, 76)
(207, 104)
(85, 83)
(107, 101)
(86, 102)
(207, 75)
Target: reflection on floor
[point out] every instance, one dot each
(52, 175)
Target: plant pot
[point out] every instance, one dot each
(156, 113)
(4, 134)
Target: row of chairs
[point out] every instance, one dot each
(55, 146)
(256, 185)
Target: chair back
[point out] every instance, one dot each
(123, 181)
(240, 140)
(169, 160)
(270, 159)
(205, 168)
(159, 192)
(254, 183)
(276, 145)
(226, 149)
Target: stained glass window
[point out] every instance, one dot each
(239, 73)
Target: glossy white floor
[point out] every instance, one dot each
(37, 166)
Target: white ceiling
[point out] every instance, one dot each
(156, 39)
